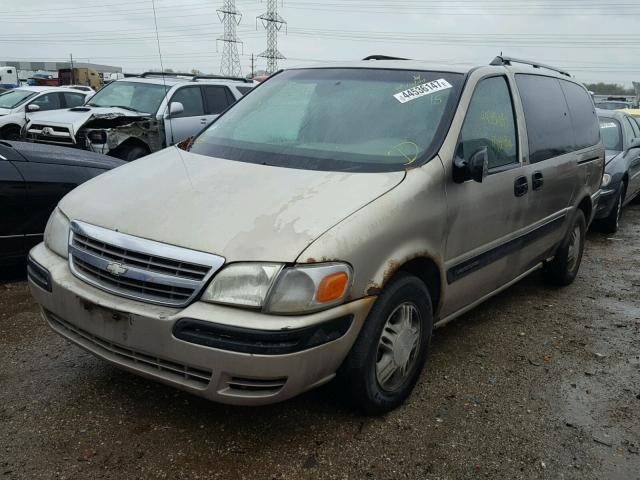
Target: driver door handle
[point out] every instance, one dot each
(521, 186)
(537, 181)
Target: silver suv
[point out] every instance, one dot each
(323, 226)
(135, 116)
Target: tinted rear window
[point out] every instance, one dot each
(583, 115)
(546, 115)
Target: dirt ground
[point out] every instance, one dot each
(535, 383)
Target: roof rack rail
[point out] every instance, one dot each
(221, 77)
(501, 60)
(383, 57)
(165, 74)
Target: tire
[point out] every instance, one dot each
(130, 154)
(563, 269)
(10, 132)
(366, 371)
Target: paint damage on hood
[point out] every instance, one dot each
(241, 211)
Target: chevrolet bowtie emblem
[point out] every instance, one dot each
(117, 269)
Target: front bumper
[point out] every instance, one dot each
(139, 337)
(606, 202)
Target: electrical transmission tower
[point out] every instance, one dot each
(230, 17)
(272, 23)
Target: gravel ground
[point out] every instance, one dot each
(535, 383)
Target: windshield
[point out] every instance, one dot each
(138, 96)
(611, 134)
(612, 105)
(337, 119)
(13, 98)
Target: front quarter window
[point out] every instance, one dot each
(337, 119)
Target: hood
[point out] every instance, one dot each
(610, 155)
(52, 154)
(241, 211)
(78, 116)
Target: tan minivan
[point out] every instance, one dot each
(323, 226)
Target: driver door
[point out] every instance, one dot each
(485, 220)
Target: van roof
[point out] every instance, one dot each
(464, 68)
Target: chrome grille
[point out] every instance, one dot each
(137, 268)
(50, 134)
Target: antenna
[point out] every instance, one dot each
(272, 23)
(164, 80)
(230, 18)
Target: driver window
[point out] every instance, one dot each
(490, 123)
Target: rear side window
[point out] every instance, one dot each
(244, 90)
(547, 117)
(218, 99)
(73, 99)
(490, 123)
(583, 115)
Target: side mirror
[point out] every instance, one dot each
(475, 168)
(32, 107)
(175, 108)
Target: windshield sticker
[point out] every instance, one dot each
(422, 90)
(608, 125)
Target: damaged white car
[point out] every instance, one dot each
(133, 117)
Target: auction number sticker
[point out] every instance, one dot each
(422, 90)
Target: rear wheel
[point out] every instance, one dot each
(386, 360)
(563, 269)
(10, 132)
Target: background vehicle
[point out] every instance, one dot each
(33, 179)
(80, 76)
(613, 104)
(621, 181)
(8, 77)
(323, 225)
(132, 117)
(634, 113)
(17, 105)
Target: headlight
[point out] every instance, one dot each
(274, 289)
(606, 180)
(310, 287)
(242, 284)
(56, 233)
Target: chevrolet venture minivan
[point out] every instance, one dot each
(323, 226)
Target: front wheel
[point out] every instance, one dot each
(563, 269)
(387, 358)
(131, 153)
(11, 132)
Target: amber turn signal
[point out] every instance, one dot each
(332, 287)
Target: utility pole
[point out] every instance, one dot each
(253, 73)
(73, 79)
(230, 18)
(272, 23)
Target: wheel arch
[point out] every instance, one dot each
(425, 268)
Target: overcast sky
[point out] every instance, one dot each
(593, 39)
